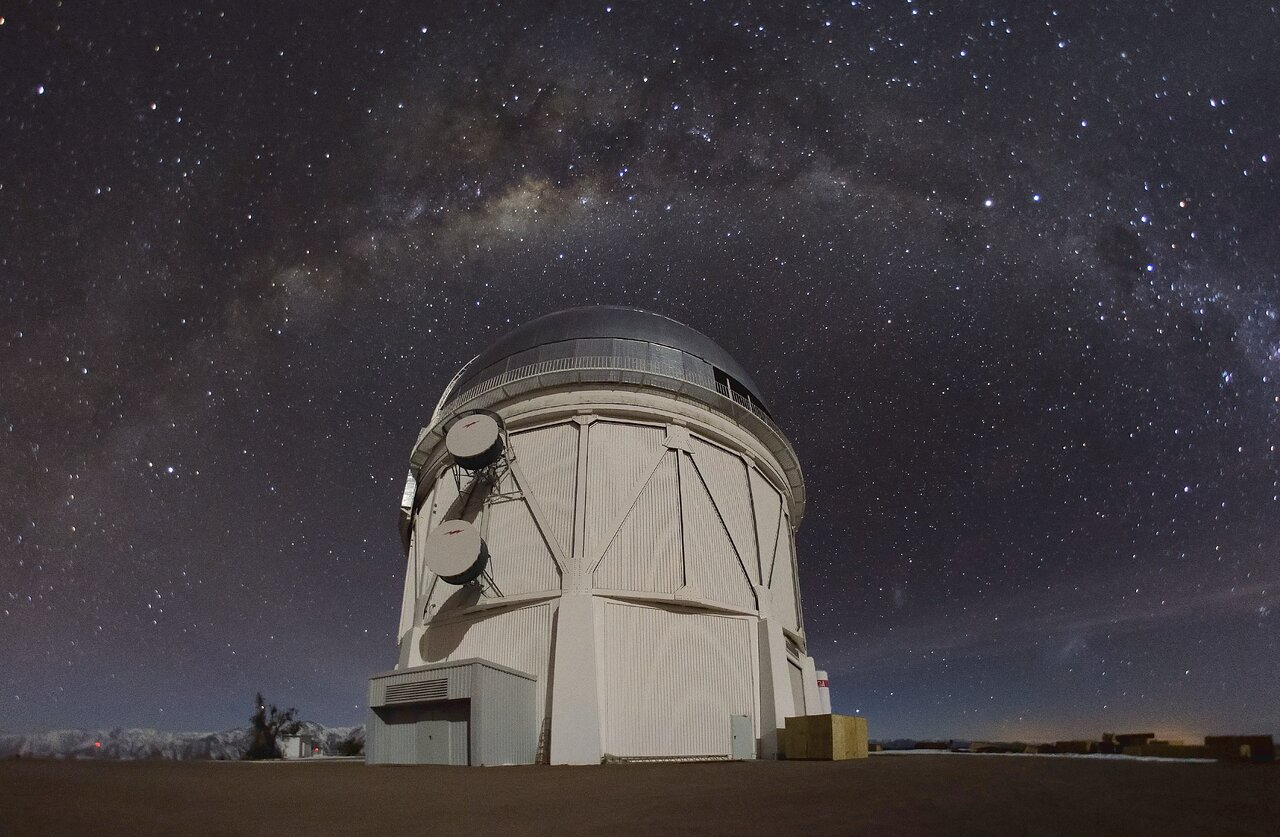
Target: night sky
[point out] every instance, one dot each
(1006, 273)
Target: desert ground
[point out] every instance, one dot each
(887, 794)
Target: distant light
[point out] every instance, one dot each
(1151, 268)
(40, 90)
(988, 203)
(1035, 198)
(97, 743)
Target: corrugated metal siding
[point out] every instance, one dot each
(446, 491)
(432, 511)
(767, 502)
(712, 568)
(797, 686)
(726, 477)
(409, 597)
(548, 459)
(785, 606)
(673, 679)
(389, 743)
(520, 560)
(646, 553)
(460, 743)
(443, 596)
(504, 730)
(420, 575)
(619, 456)
(519, 639)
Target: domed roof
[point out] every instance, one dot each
(606, 321)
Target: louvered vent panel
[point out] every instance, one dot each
(414, 692)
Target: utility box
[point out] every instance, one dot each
(824, 737)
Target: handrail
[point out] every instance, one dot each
(606, 362)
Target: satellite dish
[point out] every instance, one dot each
(475, 440)
(455, 551)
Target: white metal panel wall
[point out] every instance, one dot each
(548, 458)
(504, 729)
(519, 639)
(460, 742)
(797, 687)
(711, 564)
(726, 477)
(442, 497)
(409, 597)
(619, 458)
(672, 680)
(767, 502)
(392, 743)
(430, 514)
(417, 577)
(783, 584)
(646, 553)
(519, 559)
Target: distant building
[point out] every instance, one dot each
(1134, 739)
(1260, 749)
(296, 746)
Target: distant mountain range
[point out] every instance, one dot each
(154, 744)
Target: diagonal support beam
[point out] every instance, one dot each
(613, 530)
(715, 506)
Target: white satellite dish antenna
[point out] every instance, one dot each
(455, 551)
(475, 440)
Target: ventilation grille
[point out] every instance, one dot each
(413, 692)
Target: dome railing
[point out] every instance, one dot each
(634, 370)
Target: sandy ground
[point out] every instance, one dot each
(884, 794)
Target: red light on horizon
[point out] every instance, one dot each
(97, 743)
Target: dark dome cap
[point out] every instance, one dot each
(606, 321)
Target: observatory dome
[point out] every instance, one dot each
(599, 530)
(612, 331)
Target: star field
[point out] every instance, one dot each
(1007, 274)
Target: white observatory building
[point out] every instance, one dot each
(599, 528)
